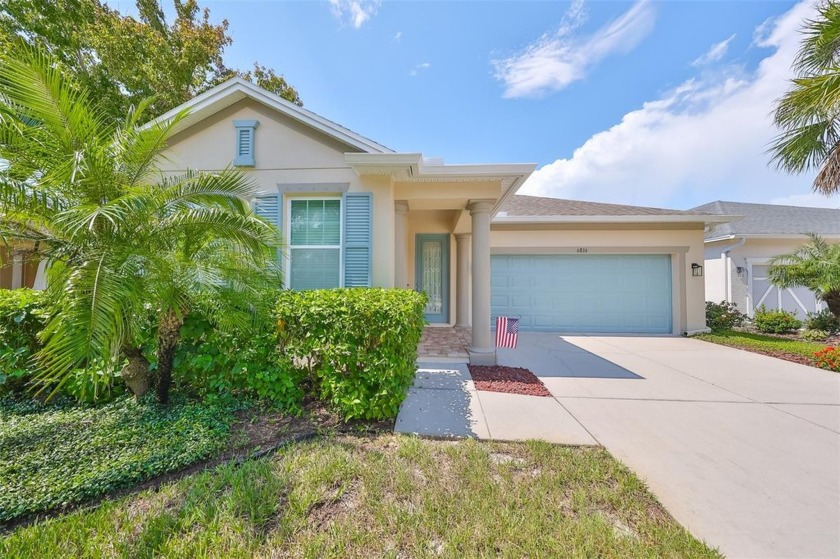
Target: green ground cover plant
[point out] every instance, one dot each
(62, 453)
(381, 496)
(763, 342)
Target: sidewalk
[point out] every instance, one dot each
(443, 402)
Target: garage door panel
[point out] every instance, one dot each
(584, 293)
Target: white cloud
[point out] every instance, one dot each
(705, 140)
(397, 36)
(419, 68)
(354, 12)
(716, 52)
(557, 59)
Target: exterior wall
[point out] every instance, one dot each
(5, 269)
(288, 156)
(28, 270)
(714, 272)
(735, 283)
(684, 245)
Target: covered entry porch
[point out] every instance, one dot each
(441, 235)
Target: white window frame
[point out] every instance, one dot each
(287, 232)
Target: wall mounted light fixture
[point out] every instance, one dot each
(696, 270)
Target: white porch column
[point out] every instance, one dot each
(482, 350)
(17, 270)
(400, 248)
(462, 278)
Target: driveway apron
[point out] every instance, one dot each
(743, 449)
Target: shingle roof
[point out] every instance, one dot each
(521, 205)
(771, 219)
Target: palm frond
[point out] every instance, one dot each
(815, 265)
(820, 49)
(229, 188)
(803, 148)
(99, 299)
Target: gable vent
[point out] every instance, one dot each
(245, 142)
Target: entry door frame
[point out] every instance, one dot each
(443, 238)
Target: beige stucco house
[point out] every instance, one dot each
(738, 253)
(352, 212)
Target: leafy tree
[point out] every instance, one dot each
(121, 60)
(122, 241)
(815, 265)
(808, 114)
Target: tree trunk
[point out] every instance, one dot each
(832, 299)
(169, 334)
(136, 372)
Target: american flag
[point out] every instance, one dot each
(507, 331)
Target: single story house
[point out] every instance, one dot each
(738, 253)
(353, 212)
(15, 269)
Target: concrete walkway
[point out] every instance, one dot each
(743, 449)
(443, 402)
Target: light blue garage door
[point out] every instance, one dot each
(584, 293)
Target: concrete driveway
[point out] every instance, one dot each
(743, 449)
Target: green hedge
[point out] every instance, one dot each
(359, 346)
(235, 366)
(55, 455)
(22, 316)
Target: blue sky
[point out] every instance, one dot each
(653, 103)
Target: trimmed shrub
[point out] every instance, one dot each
(775, 321)
(823, 320)
(828, 358)
(358, 346)
(228, 367)
(22, 316)
(814, 335)
(723, 316)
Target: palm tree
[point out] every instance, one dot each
(808, 114)
(122, 240)
(815, 265)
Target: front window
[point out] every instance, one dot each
(315, 244)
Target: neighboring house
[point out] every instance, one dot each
(352, 212)
(17, 270)
(738, 253)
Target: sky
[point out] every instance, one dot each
(650, 103)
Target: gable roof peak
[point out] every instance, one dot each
(235, 89)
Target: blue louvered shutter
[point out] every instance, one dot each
(245, 142)
(270, 208)
(358, 225)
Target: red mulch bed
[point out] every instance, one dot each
(512, 380)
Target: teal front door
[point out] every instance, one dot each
(432, 274)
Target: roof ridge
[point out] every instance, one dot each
(605, 204)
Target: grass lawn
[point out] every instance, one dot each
(52, 456)
(799, 350)
(381, 496)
